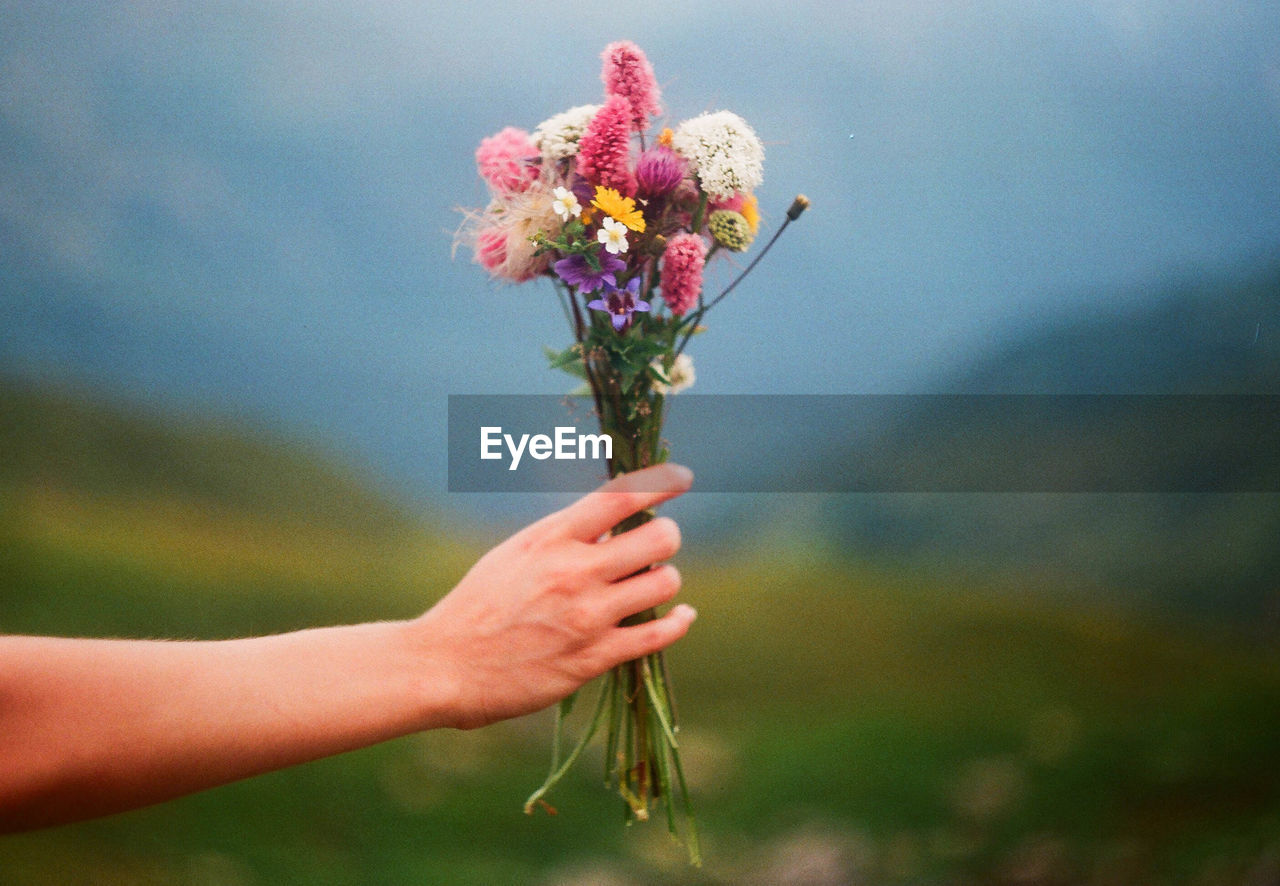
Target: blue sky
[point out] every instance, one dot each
(248, 207)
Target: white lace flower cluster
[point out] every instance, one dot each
(557, 137)
(724, 151)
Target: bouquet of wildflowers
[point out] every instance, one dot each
(623, 223)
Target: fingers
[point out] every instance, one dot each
(622, 555)
(641, 592)
(597, 512)
(644, 639)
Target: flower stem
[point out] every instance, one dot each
(642, 763)
(558, 773)
(799, 205)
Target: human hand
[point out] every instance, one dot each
(538, 616)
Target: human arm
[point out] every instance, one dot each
(89, 727)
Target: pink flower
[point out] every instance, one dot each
(502, 236)
(682, 264)
(508, 161)
(627, 73)
(491, 248)
(733, 203)
(605, 147)
(659, 171)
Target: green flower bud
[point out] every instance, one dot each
(730, 229)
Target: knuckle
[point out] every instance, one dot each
(561, 579)
(580, 621)
(521, 544)
(533, 542)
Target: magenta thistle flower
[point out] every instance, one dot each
(604, 149)
(508, 161)
(627, 73)
(659, 171)
(682, 264)
(576, 270)
(620, 303)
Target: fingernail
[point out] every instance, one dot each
(683, 474)
(688, 611)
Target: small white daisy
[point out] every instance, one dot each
(613, 234)
(566, 204)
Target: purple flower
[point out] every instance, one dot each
(659, 171)
(583, 190)
(576, 270)
(620, 303)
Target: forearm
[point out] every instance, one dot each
(89, 727)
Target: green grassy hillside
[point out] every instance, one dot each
(110, 511)
(840, 725)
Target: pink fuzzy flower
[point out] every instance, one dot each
(659, 171)
(491, 248)
(627, 73)
(605, 147)
(682, 264)
(508, 161)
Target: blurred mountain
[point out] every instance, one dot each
(1195, 334)
(1093, 491)
(85, 443)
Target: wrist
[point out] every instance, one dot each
(433, 685)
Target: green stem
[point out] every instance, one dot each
(659, 703)
(642, 763)
(691, 322)
(698, 214)
(555, 775)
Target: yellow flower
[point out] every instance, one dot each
(621, 208)
(751, 212)
(664, 138)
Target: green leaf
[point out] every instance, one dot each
(569, 360)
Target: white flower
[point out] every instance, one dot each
(723, 151)
(557, 137)
(681, 375)
(566, 204)
(613, 234)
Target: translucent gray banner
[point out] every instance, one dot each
(888, 443)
